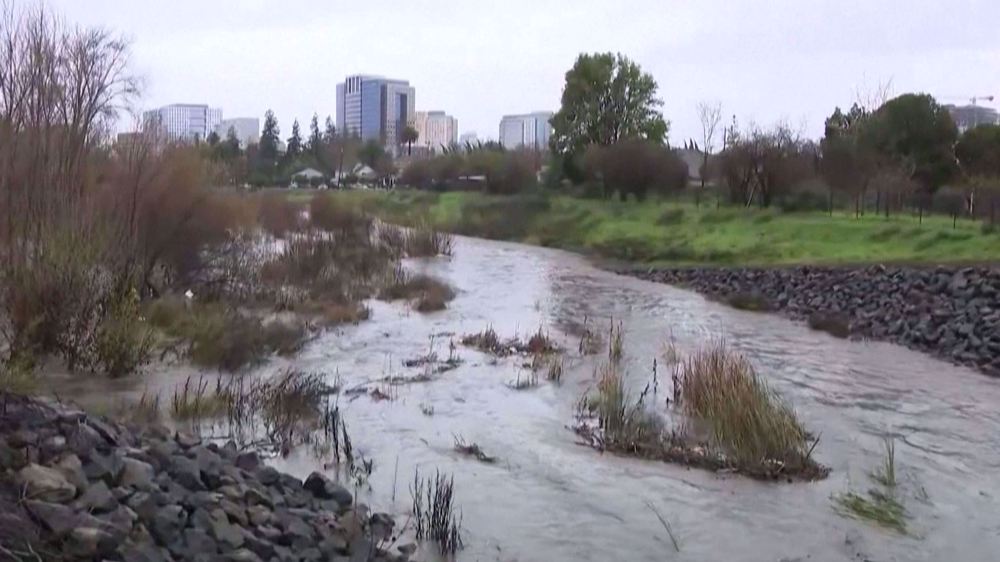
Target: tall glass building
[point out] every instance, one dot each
(185, 121)
(531, 130)
(375, 108)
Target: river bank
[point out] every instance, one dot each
(949, 312)
(546, 497)
(79, 487)
(753, 258)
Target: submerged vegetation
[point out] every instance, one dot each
(434, 512)
(882, 505)
(488, 341)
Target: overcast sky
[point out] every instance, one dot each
(765, 61)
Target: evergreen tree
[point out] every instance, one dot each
(269, 140)
(330, 134)
(294, 143)
(315, 137)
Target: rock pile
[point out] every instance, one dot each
(77, 487)
(950, 312)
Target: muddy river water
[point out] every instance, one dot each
(549, 498)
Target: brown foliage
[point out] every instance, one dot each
(635, 166)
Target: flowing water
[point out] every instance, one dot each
(549, 498)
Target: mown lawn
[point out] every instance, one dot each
(670, 232)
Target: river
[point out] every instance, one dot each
(549, 498)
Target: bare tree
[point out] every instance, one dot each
(710, 115)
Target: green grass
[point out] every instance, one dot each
(879, 506)
(679, 233)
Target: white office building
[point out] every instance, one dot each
(185, 121)
(467, 138)
(436, 130)
(531, 130)
(247, 130)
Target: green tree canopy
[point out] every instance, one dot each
(269, 139)
(315, 143)
(978, 151)
(294, 148)
(371, 154)
(606, 98)
(330, 132)
(918, 135)
(409, 136)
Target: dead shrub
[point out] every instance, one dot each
(278, 216)
(331, 214)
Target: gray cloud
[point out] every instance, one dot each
(765, 61)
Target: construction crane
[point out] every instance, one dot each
(974, 102)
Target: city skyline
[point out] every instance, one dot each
(788, 61)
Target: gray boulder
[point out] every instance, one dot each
(45, 484)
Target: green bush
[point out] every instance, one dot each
(671, 217)
(124, 341)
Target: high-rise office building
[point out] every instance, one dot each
(247, 130)
(467, 138)
(436, 130)
(184, 121)
(375, 108)
(969, 116)
(531, 130)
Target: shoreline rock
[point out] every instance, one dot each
(79, 487)
(950, 312)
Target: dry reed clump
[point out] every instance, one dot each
(434, 512)
(424, 241)
(488, 341)
(524, 380)
(751, 430)
(590, 340)
(623, 426)
(616, 342)
(554, 372)
(429, 294)
(750, 425)
(278, 412)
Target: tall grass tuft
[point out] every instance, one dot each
(748, 421)
(625, 425)
(616, 342)
(424, 241)
(434, 512)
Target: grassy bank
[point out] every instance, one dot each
(672, 232)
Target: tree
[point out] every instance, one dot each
(606, 98)
(294, 148)
(371, 153)
(330, 132)
(212, 139)
(978, 153)
(315, 143)
(409, 136)
(635, 166)
(710, 115)
(267, 151)
(764, 165)
(917, 134)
